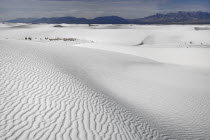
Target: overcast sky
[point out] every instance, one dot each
(11, 9)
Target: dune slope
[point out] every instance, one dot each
(41, 101)
(101, 85)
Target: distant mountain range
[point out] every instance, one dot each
(169, 18)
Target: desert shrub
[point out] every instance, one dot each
(69, 39)
(201, 28)
(64, 39)
(58, 26)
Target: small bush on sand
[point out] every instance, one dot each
(58, 26)
(64, 39)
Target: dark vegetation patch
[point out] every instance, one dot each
(58, 26)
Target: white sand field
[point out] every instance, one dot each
(104, 82)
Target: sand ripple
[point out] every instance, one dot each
(38, 101)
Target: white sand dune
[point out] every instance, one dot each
(41, 100)
(57, 90)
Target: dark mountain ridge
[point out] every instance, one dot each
(176, 18)
(169, 18)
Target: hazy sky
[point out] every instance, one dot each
(11, 9)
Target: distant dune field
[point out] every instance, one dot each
(104, 82)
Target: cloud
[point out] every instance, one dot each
(10, 9)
